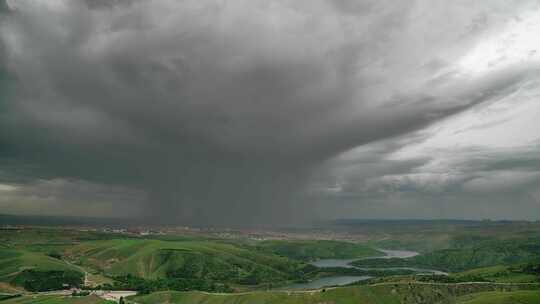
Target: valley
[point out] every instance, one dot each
(37, 263)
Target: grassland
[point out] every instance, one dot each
(14, 261)
(393, 293)
(156, 259)
(500, 274)
(56, 299)
(497, 297)
(310, 250)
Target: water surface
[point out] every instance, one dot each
(346, 263)
(328, 281)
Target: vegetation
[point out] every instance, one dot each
(56, 299)
(468, 255)
(8, 296)
(498, 297)
(145, 286)
(407, 293)
(185, 263)
(155, 264)
(309, 250)
(33, 280)
(36, 272)
(193, 269)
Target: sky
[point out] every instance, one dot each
(257, 112)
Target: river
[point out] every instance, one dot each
(344, 280)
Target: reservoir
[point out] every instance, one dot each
(346, 262)
(344, 280)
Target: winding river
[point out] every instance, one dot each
(344, 280)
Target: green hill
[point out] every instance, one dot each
(475, 254)
(310, 250)
(35, 271)
(179, 263)
(392, 293)
(209, 260)
(14, 261)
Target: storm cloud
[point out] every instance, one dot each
(220, 112)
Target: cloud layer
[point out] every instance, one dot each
(222, 112)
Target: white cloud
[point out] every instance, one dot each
(515, 44)
(7, 188)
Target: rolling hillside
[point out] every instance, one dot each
(156, 259)
(497, 297)
(35, 271)
(15, 261)
(393, 293)
(55, 299)
(310, 250)
(476, 254)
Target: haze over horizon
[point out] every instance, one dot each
(274, 112)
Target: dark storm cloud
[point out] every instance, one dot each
(220, 111)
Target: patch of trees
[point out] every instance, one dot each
(33, 280)
(364, 272)
(144, 286)
(55, 255)
(450, 279)
(531, 268)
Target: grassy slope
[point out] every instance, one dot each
(310, 250)
(499, 273)
(497, 297)
(154, 259)
(13, 261)
(339, 295)
(54, 299)
(470, 255)
(374, 294)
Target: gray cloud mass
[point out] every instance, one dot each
(227, 112)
